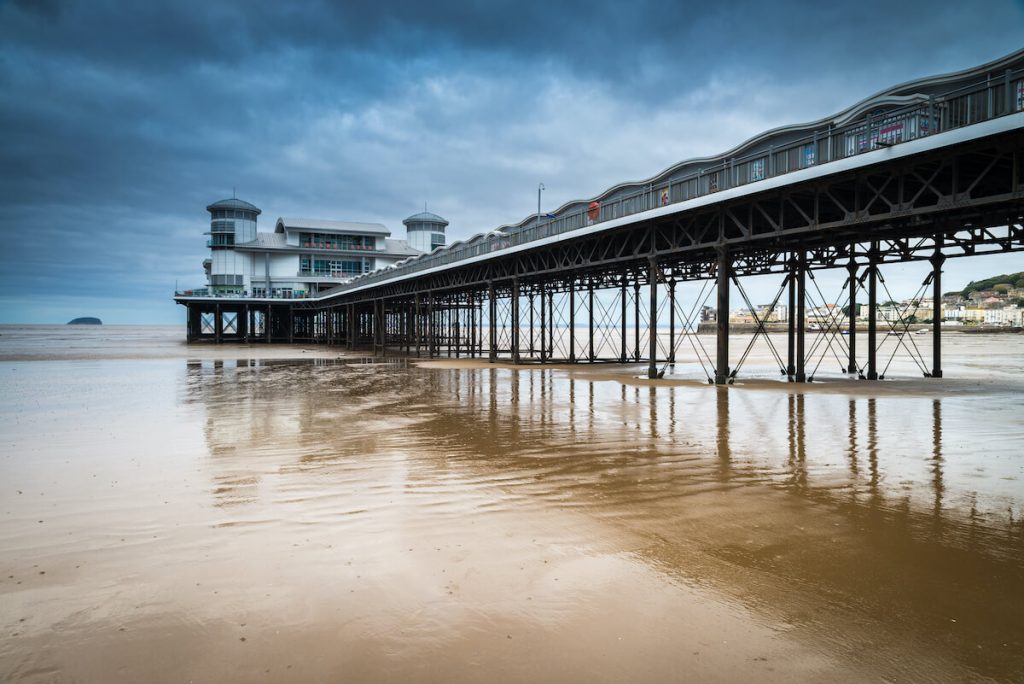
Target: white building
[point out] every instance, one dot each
(302, 256)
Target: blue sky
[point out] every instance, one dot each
(121, 121)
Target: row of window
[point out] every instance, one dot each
(329, 241)
(333, 267)
(233, 214)
(221, 240)
(279, 293)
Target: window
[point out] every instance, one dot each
(757, 169)
(436, 240)
(809, 155)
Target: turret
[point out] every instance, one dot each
(425, 231)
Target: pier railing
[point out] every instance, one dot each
(964, 106)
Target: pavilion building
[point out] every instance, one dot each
(302, 256)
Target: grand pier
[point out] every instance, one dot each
(925, 171)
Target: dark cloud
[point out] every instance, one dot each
(121, 121)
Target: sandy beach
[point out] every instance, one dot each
(233, 513)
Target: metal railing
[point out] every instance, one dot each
(245, 294)
(964, 106)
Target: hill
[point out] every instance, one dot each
(1010, 279)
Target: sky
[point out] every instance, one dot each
(121, 121)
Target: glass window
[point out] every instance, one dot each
(757, 169)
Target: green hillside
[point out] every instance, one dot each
(1008, 279)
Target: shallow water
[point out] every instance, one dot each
(175, 513)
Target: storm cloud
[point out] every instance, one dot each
(120, 121)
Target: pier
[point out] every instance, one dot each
(927, 171)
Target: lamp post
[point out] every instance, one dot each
(540, 188)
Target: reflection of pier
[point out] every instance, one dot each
(626, 277)
(761, 439)
(834, 498)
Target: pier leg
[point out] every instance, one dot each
(652, 321)
(873, 313)
(378, 331)
(543, 324)
(531, 324)
(572, 322)
(459, 314)
(492, 324)
(852, 320)
(672, 321)
(417, 325)
(432, 329)
(472, 326)
(801, 319)
(190, 322)
(267, 324)
(937, 260)
(636, 321)
(722, 319)
(622, 355)
(551, 325)
(515, 320)
(791, 324)
(590, 323)
(218, 324)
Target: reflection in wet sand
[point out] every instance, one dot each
(376, 520)
(869, 541)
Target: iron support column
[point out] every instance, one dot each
(801, 318)
(672, 321)
(722, 319)
(852, 318)
(515, 320)
(572, 322)
(458, 313)
(431, 327)
(417, 324)
(636, 320)
(551, 325)
(622, 355)
(590, 323)
(791, 323)
(472, 326)
(937, 260)
(492, 319)
(531, 323)
(873, 312)
(543, 324)
(218, 324)
(652, 320)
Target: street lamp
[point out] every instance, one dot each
(540, 187)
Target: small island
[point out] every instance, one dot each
(85, 320)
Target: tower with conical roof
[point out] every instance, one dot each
(425, 231)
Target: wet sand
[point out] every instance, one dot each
(175, 513)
